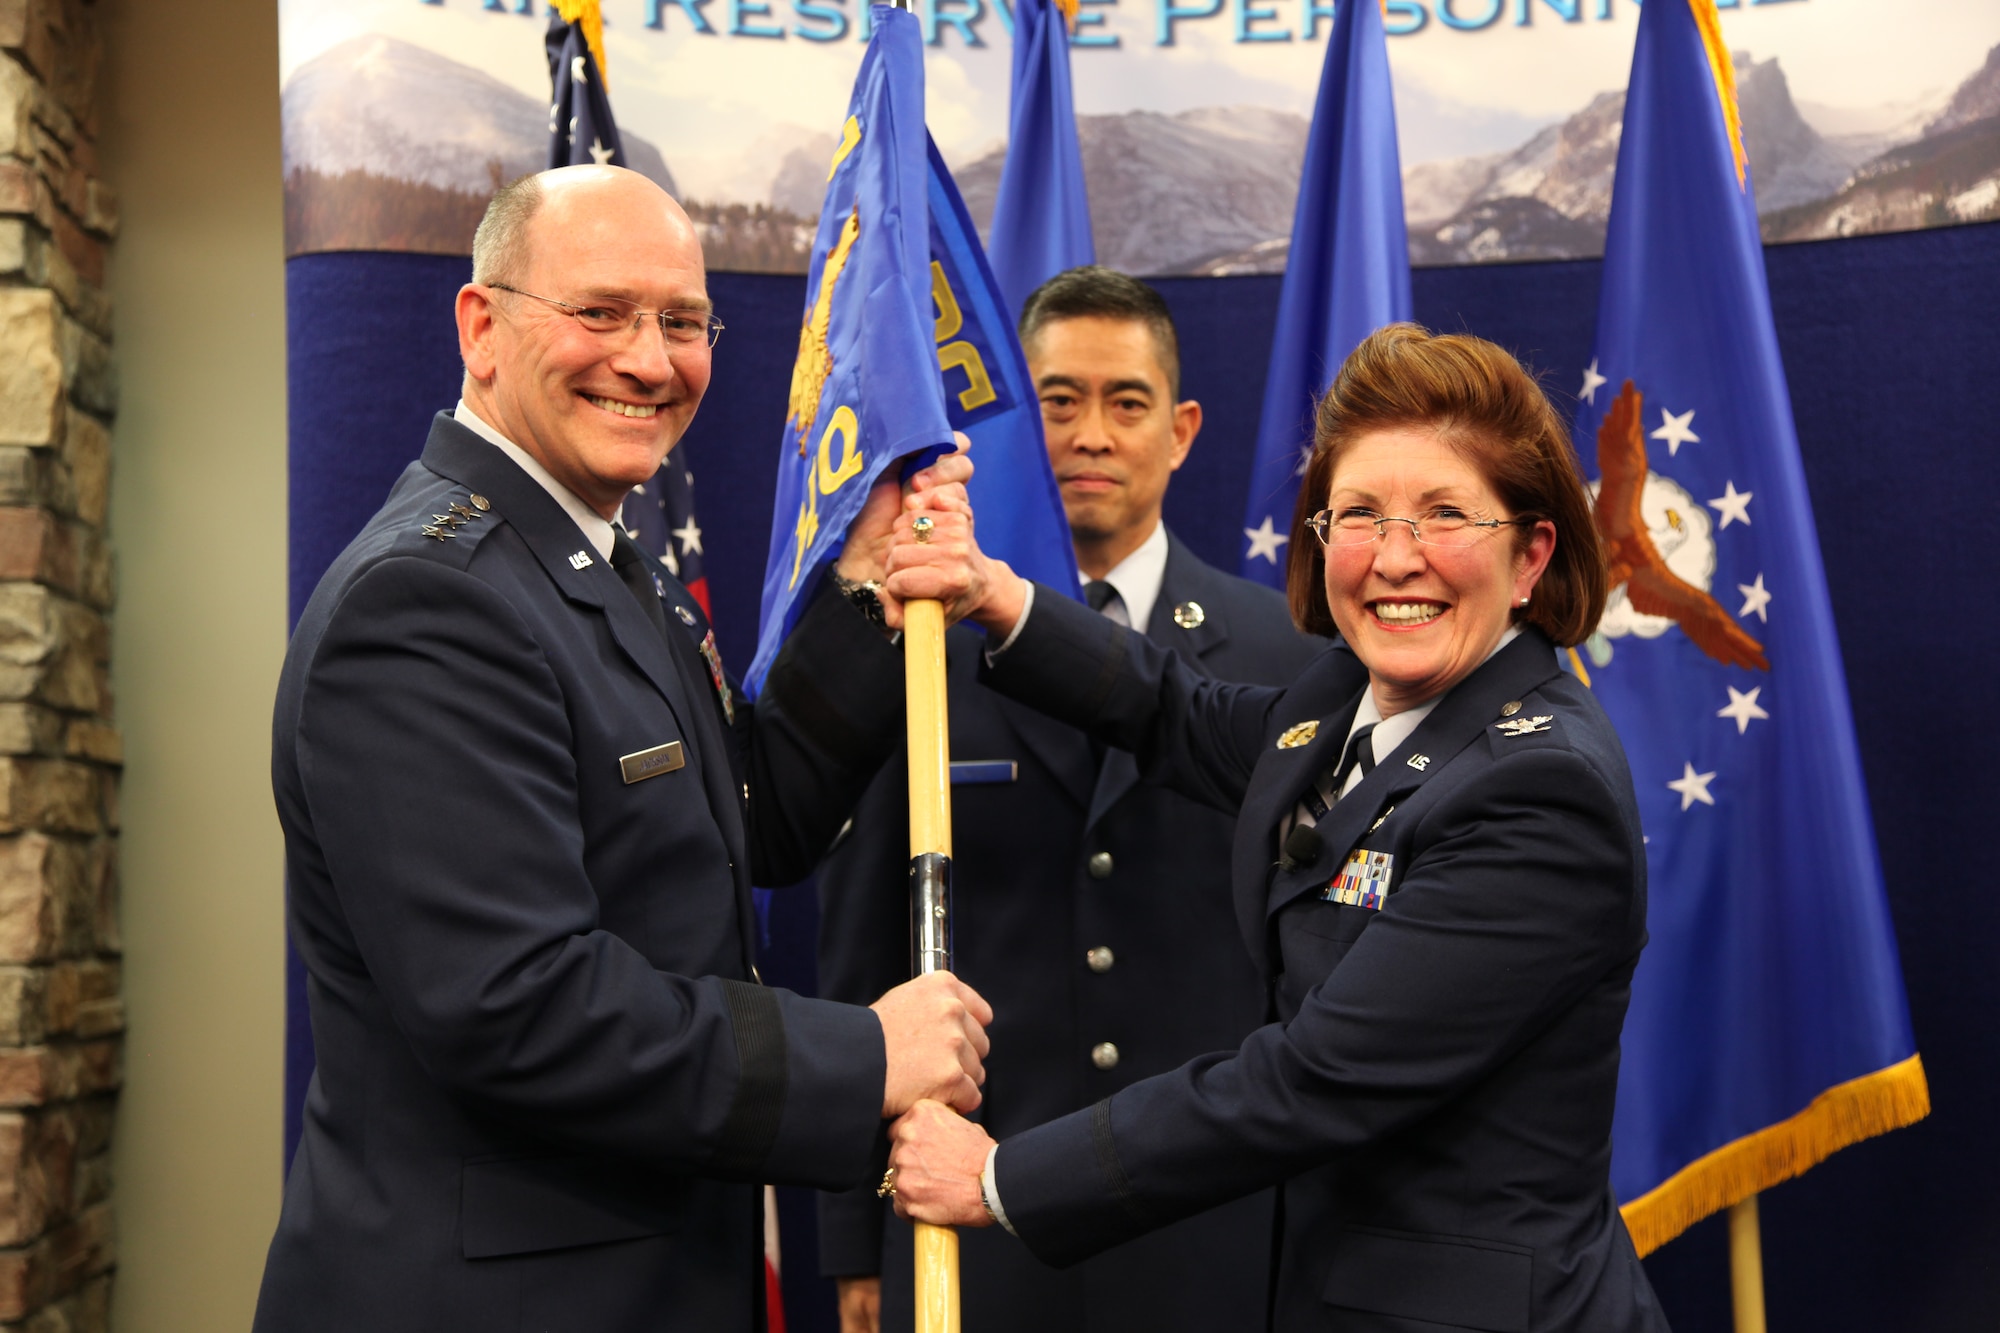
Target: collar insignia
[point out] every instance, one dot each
(1525, 726)
(1299, 735)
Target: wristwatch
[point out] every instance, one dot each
(866, 597)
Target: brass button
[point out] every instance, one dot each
(1104, 1055)
(1100, 865)
(1510, 708)
(1100, 959)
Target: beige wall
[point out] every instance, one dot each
(190, 142)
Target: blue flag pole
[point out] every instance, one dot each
(1346, 275)
(1041, 215)
(1768, 1025)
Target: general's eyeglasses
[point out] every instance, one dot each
(1443, 526)
(608, 315)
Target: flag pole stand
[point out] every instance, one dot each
(930, 901)
(1746, 1266)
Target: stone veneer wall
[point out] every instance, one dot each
(61, 1015)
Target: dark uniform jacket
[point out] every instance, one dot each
(548, 1082)
(1056, 854)
(1436, 1094)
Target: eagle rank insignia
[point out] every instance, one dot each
(1525, 726)
(1299, 735)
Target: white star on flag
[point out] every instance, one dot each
(1742, 708)
(1692, 786)
(576, 70)
(1755, 598)
(555, 118)
(1265, 541)
(1732, 504)
(690, 536)
(1591, 381)
(601, 155)
(671, 561)
(1674, 430)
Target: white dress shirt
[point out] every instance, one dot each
(596, 528)
(1136, 579)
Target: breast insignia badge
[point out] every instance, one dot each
(1296, 736)
(1525, 726)
(1363, 881)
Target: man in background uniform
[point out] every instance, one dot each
(1091, 910)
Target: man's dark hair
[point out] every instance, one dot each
(1107, 294)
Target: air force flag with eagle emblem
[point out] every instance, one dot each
(864, 393)
(1768, 1025)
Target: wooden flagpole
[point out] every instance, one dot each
(930, 900)
(1746, 1266)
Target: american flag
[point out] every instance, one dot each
(660, 517)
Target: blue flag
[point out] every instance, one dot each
(1041, 216)
(989, 396)
(1348, 272)
(864, 389)
(1768, 1025)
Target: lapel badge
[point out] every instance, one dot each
(580, 560)
(481, 503)
(1420, 762)
(1382, 819)
(442, 534)
(687, 616)
(1526, 726)
(1298, 735)
(1189, 615)
(1511, 707)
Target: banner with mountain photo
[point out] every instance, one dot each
(1768, 1025)
(400, 116)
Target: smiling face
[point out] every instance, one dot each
(599, 411)
(1422, 617)
(1114, 432)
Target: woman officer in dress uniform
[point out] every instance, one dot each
(1442, 879)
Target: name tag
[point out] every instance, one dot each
(1363, 881)
(970, 772)
(643, 764)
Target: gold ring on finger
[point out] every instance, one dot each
(922, 527)
(887, 1189)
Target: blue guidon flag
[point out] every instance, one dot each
(1768, 1025)
(864, 392)
(989, 396)
(1346, 275)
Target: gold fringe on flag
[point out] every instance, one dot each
(592, 15)
(1844, 1114)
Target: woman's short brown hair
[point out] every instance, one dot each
(1482, 403)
